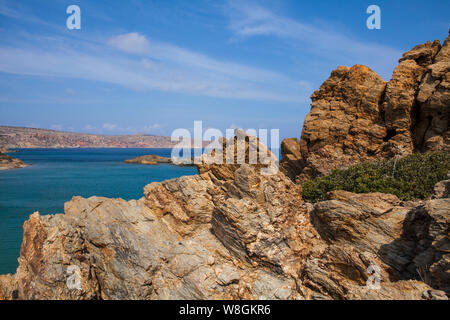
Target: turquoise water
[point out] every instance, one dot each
(56, 175)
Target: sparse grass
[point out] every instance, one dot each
(411, 177)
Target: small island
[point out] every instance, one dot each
(155, 160)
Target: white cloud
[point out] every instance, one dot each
(90, 128)
(147, 64)
(168, 68)
(249, 20)
(109, 126)
(151, 128)
(56, 127)
(17, 10)
(130, 43)
(147, 129)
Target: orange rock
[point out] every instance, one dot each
(357, 117)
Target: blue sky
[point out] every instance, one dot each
(154, 66)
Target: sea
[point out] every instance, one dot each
(56, 175)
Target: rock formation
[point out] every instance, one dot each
(7, 162)
(153, 159)
(411, 238)
(149, 160)
(232, 232)
(357, 117)
(240, 229)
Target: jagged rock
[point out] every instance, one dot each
(434, 295)
(344, 122)
(357, 117)
(398, 105)
(367, 222)
(178, 242)
(410, 239)
(227, 233)
(439, 251)
(432, 128)
(442, 189)
(291, 162)
(423, 54)
(349, 218)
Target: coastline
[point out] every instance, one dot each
(32, 138)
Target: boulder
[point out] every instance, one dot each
(411, 239)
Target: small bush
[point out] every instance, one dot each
(4, 156)
(413, 177)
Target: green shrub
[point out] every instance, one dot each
(411, 177)
(4, 156)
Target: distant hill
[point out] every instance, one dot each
(18, 137)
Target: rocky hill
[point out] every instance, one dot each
(16, 137)
(241, 231)
(358, 117)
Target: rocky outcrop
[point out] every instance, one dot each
(291, 163)
(234, 231)
(442, 189)
(410, 238)
(155, 159)
(357, 117)
(7, 162)
(149, 160)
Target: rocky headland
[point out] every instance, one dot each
(7, 162)
(236, 232)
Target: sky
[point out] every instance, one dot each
(143, 66)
